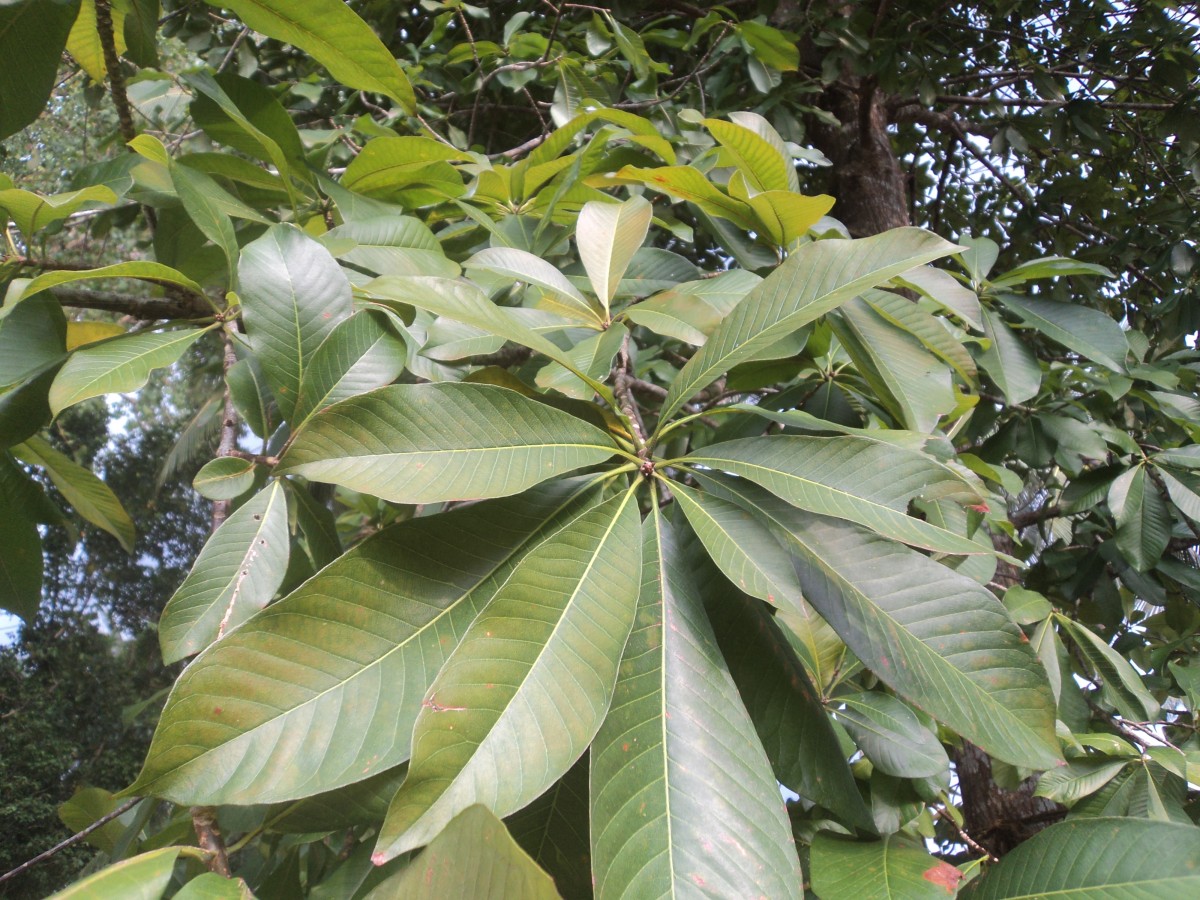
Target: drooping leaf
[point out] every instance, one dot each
(390, 611)
(937, 638)
(430, 442)
(32, 338)
(293, 295)
(894, 868)
(815, 279)
(1123, 686)
(117, 366)
(90, 497)
(334, 36)
(608, 234)
(1009, 361)
(390, 245)
(892, 736)
(559, 624)
(32, 37)
(1078, 778)
(847, 477)
(145, 271)
(1143, 521)
(143, 877)
(33, 212)
(359, 355)
(20, 564)
(683, 798)
(1079, 859)
(236, 574)
(788, 716)
(473, 856)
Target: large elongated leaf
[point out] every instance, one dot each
(812, 281)
(91, 497)
(203, 200)
(430, 442)
(359, 355)
(116, 366)
(683, 798)
(937, 638)
(390, 245)
(328, 681)
(33, 337)
(554, 831)
(523, 266)
(527, 688)
(1088, 332)
(334, 36)
(1143, 521)
(32, 36)
(1009, 361)
(236, 574)
(850, 478)
(293, 295)
(891, 736)
(20, 564)
(145, 271)
(1123, 686)
(895, 868)
(1098, 859)
(608, 234)
(474, 856)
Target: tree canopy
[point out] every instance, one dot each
(625, 412)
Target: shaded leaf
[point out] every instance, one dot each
(891, 735)
(895, 868)
(143, 877)
(1123, 686)
(1088, 332)
(553, 830)
(32, 37)
(359, 355)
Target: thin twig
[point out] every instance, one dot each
(72, 840)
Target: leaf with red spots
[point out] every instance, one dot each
(895, 868)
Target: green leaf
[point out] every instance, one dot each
(1048, 267)
(1088, 332)
(332, 34)
(224, 478)
(771, 46)
(891, 736)
(895, 868)
(937, 638)
(743, 548)
(390, 245)
(787, 713)
(683, 798)
(1009, 361)
(83, 43)
(553, 830)
(144, 877)
(945, 290)
(1081, 859)
(931, 332)
(32, 37)
(86, 806)
(1123, 686)
(765, 167)
(91, 497)
(236, 574)
(1143, 521)
(310, 670)
(118, 366)
(607, 235)
(528, 686)
(473, 856)
(1185, 499)
(522, 266)
(430, 442)
(852, 478)
(815, 279)
(464, 302)
(252, 397)
(20, 564)
(688, 183)
(211, 886)
(1025, 606)
(33, 212)
(1078, 778)
(293, 295)
(362, 803)
(33, 336)
(593, 356)
(359, 355)
(204, 200)
(145, 271)
(692, 310)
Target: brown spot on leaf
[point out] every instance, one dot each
(944, 875)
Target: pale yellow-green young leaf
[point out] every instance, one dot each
(143, 877)
(33, 212)
(608, 234)
(83, 42)
(143, 271)
(80, 334)
(521, 265)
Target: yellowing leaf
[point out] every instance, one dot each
(81, 333)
